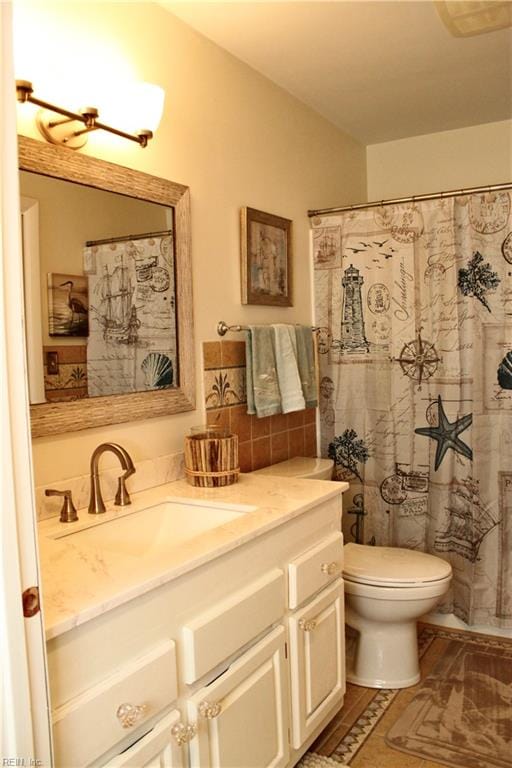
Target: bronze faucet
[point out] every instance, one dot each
(96, 503)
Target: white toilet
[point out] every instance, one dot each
(387, 589)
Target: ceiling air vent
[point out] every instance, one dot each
(465, 18)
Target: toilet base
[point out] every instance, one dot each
(381, 655)
(355, 680)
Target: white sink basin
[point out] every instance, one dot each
(161, 526)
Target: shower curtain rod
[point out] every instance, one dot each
(413, 199)
(124, 238)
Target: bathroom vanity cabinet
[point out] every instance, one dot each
(238, 663)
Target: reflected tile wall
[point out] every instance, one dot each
(65, 372)
(261, 441)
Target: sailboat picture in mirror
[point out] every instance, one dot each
(118, 242)
(132, 341)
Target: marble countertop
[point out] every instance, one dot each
(83, 580)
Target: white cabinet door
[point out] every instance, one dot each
(242, 717)
(317, 660)
(157, 749)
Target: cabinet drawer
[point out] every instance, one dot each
(87, 726)
(314, 569)
(230, 624)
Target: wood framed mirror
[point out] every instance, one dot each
(127, 265)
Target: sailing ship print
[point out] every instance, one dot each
(117, 312)
(326, 246)
(132, 341)
(326, 249)
(469, 522)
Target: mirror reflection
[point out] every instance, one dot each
(100, 291)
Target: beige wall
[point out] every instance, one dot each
(467, 157)
(228, 133)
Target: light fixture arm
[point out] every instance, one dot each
(88, 116)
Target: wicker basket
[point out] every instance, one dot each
(211, 461)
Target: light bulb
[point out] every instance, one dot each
(132, 107)
(148, 101)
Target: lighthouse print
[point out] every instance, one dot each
(353, 338)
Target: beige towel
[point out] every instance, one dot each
(263, 396)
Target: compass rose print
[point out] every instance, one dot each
(418, 359)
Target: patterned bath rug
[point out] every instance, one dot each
(355, 732)
(310, 760)
(462, 713)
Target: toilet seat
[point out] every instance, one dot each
(392, 566)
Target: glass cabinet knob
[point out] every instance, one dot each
(182, 733)
(209, 709)
(329, 568)
(307, 625)
(130, 714)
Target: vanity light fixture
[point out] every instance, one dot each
(72, 130)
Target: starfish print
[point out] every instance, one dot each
(447, 435)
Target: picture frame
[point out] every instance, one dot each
(265, 259)
(68, 305)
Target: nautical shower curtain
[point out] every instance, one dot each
(414, 304)
(132, 318)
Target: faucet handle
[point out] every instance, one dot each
(68, 512)
(122, 498)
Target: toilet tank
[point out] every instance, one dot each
(300, 466)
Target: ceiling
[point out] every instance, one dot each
(379, 70)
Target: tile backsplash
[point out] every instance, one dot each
(261, 441)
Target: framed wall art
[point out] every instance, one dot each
(266, 259)
(68, 305)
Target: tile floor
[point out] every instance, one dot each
(373, 751)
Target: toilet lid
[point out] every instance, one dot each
(390, 566)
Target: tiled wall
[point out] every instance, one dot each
(68, 381)
(261, 441)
